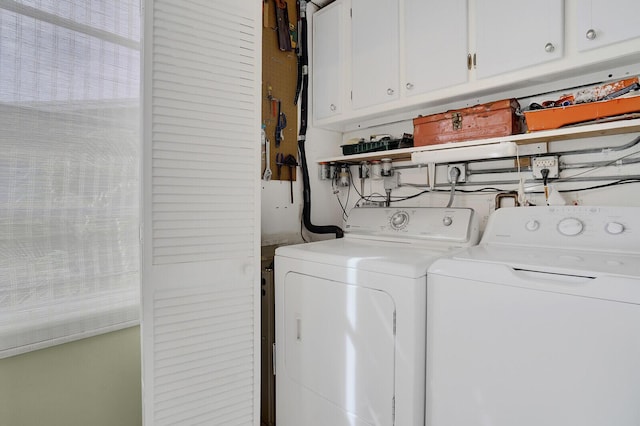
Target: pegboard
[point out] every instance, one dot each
(279, 77)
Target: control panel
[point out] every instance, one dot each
(414, 223)
(579, 227)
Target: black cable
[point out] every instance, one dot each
(410, 197)
(302, 231)
(344, 210)
(492, 189)
(304, 103)
(354, 186)
(346, 203)
(605, 185)
(472, 191)
(489, 189)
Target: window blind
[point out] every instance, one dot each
(69, 170)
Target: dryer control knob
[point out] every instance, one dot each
(570, 227)
(447, 221)
(614, 228)
(399, 220)
(532, 225)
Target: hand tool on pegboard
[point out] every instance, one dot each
(265, 14)
(279, 84)
(282, 20)
(292, 163)
(279, 163)
(281, 124)
(267, 168)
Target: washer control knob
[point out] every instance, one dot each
(614, 228)
(570, 227)
(447, 221)
(399, 220)
(532, 225)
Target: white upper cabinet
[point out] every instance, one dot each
(382, 59)
(436, 45)
(328, 61)
(603, 22)
(515, 35)
(374, 52)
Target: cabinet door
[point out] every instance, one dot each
(374, 43)
(512, 35)
(327, 69)
(436, 45)
(603, 22)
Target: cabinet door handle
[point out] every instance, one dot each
(332, 107)
(409, 86)
(390, 91)
(469, 61)
(549, 47)
(474, 60)
(591, 34)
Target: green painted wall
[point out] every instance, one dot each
(89, 382)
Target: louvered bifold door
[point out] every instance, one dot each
(201, 206)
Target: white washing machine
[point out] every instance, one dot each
(350, 317)
(540, 323)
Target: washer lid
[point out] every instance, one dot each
(391, 258)
(556, 261)
(582, 273)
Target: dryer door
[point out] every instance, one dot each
(340, 347)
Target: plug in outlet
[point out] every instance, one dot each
(550, 163)
(463, 172)
(392, 182)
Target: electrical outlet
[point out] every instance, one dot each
(392, 182)
(463, 172)
(549, 162)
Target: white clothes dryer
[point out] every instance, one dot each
(350, 317)
(540, 323)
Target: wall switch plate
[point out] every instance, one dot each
(548, 162)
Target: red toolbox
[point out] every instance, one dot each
(483, 121)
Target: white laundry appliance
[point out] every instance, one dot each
(540, 323)
(350, 317)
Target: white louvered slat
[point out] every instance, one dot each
(201, 233)
(212, 357)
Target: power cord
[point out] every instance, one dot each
(454, 175)
(545, 177)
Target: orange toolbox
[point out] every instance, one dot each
(586, 105)
(553, 118)
(483, 121)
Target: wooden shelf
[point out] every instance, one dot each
(565, 133)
